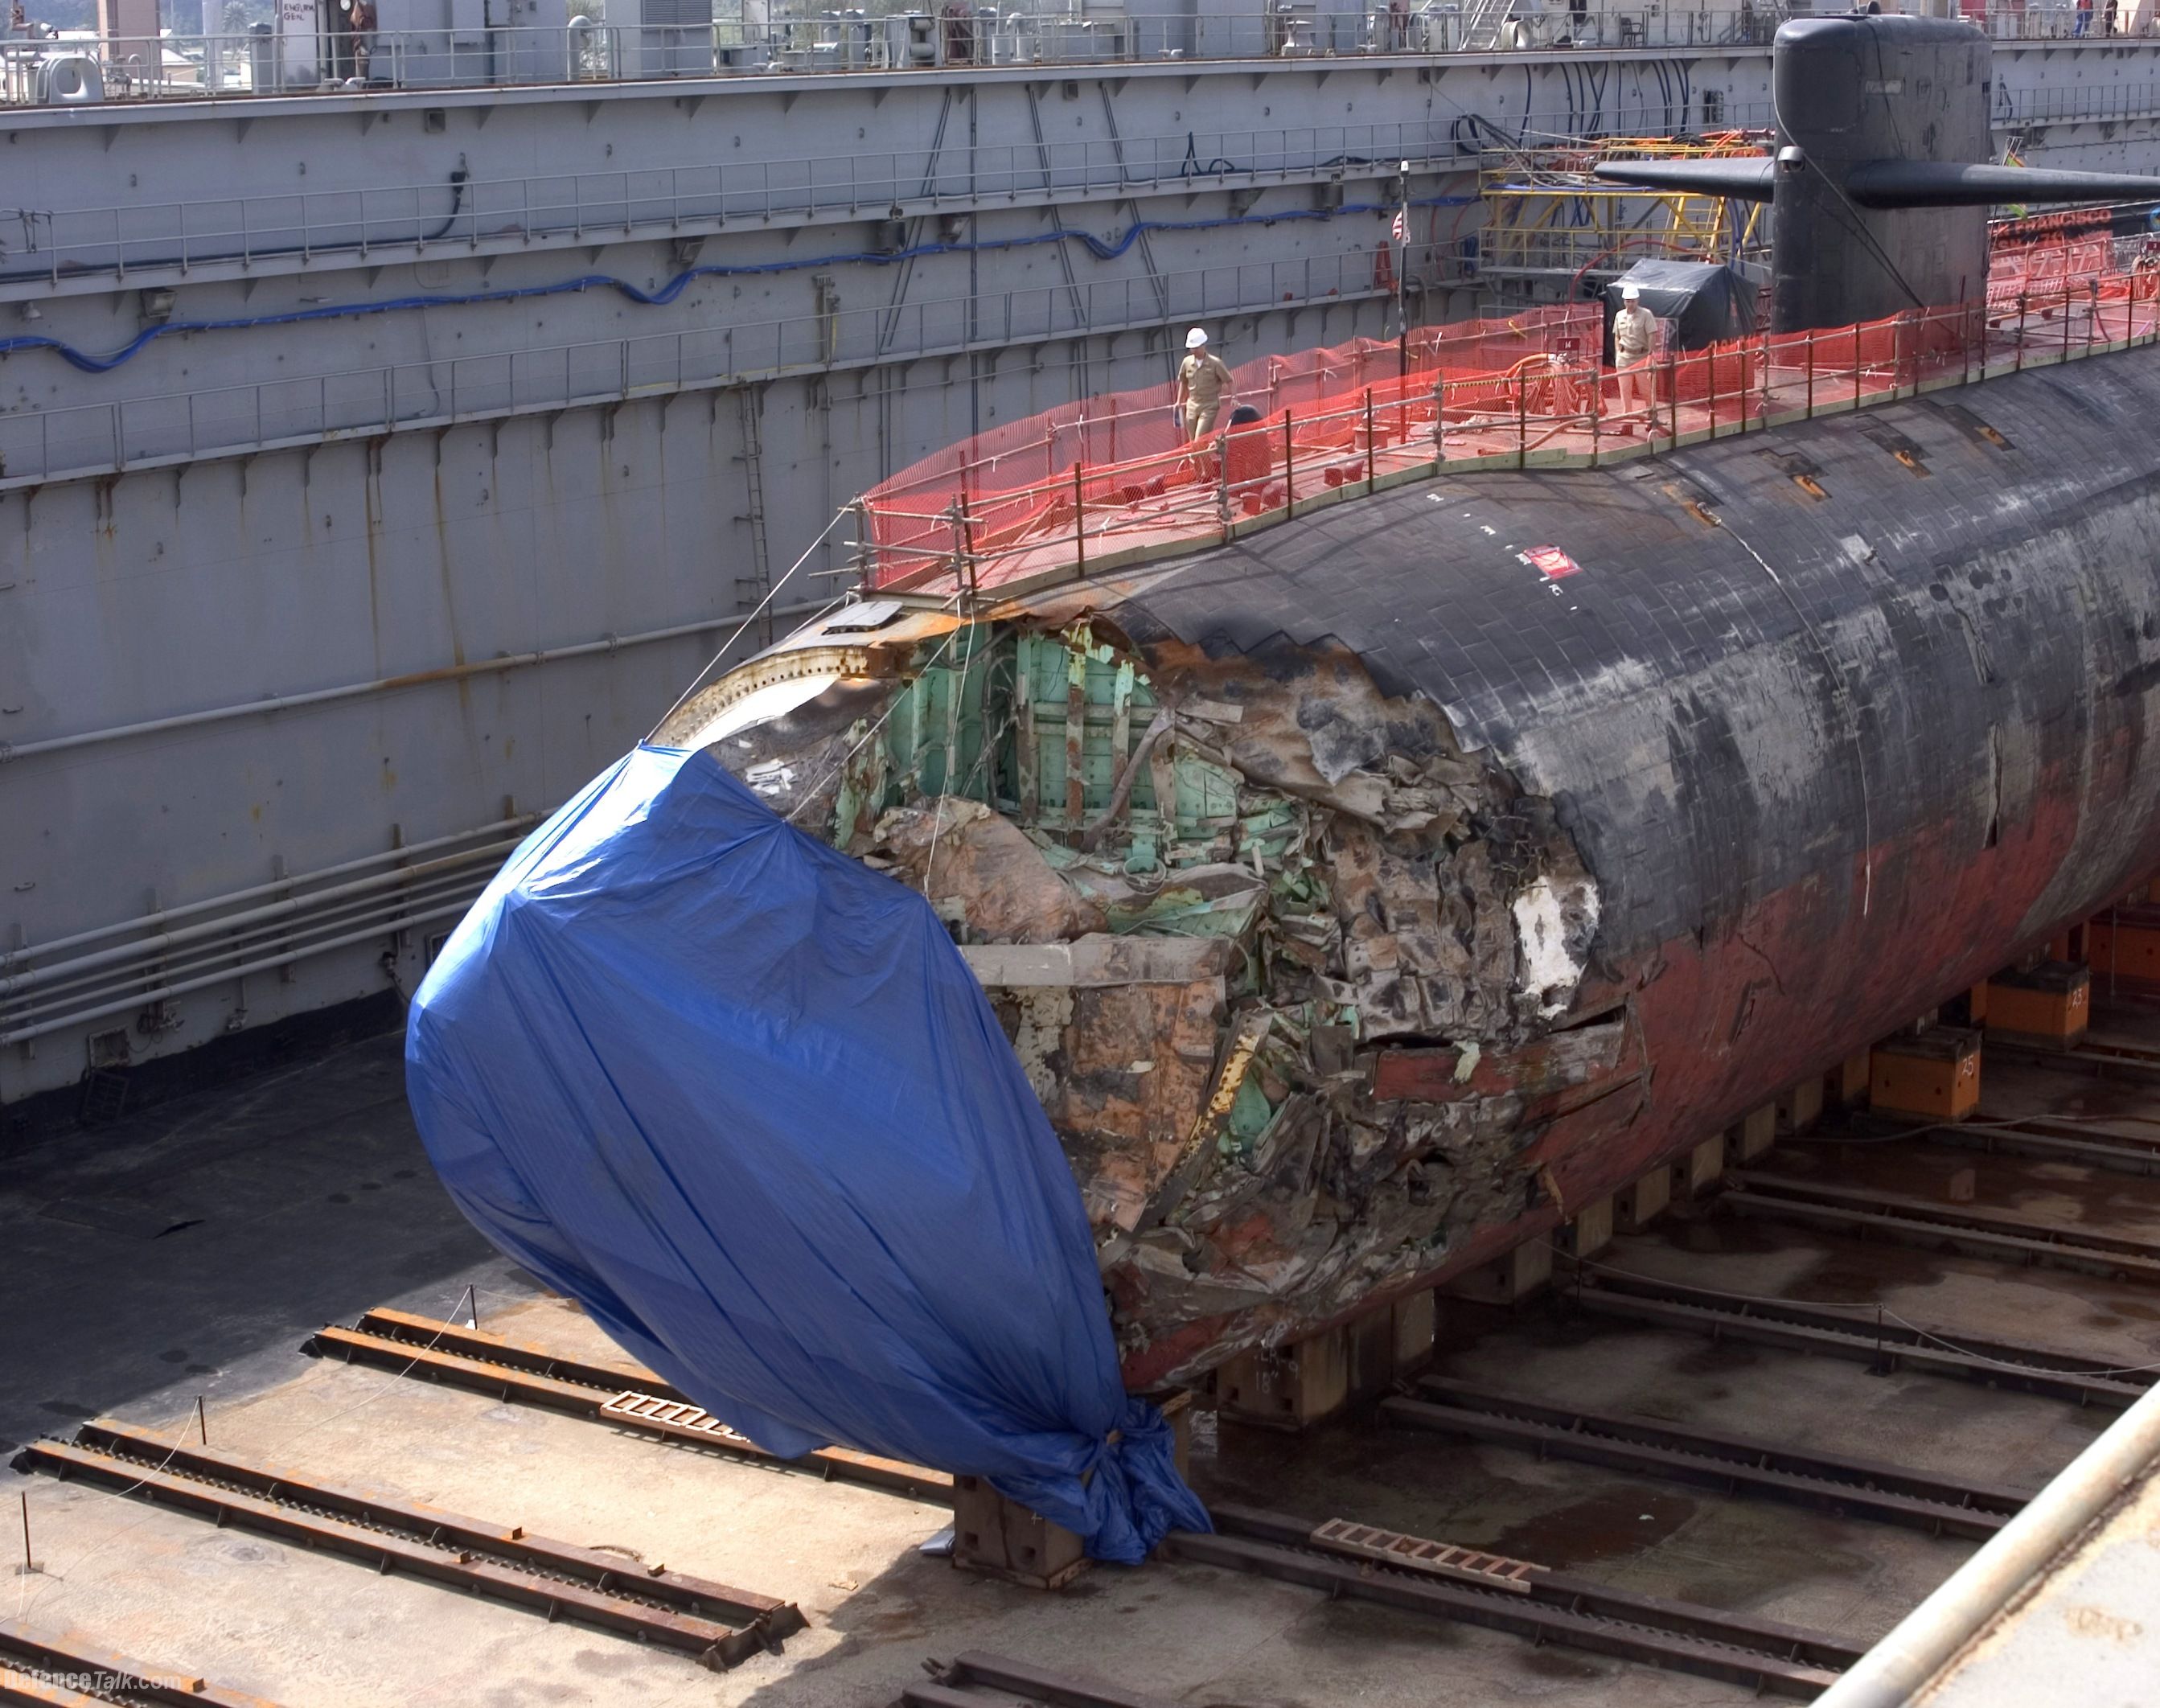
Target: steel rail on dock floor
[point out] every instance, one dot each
(631, 1399)
(2054, 1141)
(38, 1667)
(2100, 1056)
(1883, 1343)
(716, 1624)
(1548, 1607)
(951, 1685)
(2000, 1235)
(1855, 1488)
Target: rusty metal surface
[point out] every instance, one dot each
(716, 1624)
(1868, 1337)
(630, 1396)
(1865, 1487)
(1557, 1607)
(1494, 1571)
(1909, 1220)
(2098, 1056)
(955, 1684)
(42, 1666)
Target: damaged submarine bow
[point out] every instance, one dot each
(1361, 900)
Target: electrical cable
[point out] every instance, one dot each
(1213, 168)
(667, 293)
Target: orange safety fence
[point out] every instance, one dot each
(1077, 485)
(999, 475)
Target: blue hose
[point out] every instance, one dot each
(675, 287)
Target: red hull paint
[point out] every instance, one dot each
(1804, 980)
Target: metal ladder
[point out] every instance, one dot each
(1481, 23)
(750, 589)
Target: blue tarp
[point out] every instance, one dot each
(740, 1097)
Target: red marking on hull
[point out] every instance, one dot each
(1802, 979)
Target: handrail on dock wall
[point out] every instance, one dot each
(196, 67)
(177, 67)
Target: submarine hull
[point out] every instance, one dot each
(1559, 819)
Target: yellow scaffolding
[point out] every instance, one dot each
(1548, 221)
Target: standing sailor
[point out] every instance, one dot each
(1204, 386)
(1634, 329)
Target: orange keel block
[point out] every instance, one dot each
(2050, 1006)
(1935, 1076)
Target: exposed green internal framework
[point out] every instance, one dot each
(1025, 688)
(1202, 893)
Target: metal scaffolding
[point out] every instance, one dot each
(1548, 221)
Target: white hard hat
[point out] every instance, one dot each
(1630, 293)
(1196, 337)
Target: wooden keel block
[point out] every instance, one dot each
(2123, 948)
(1591, 1231)
(1636, 1206)
(1753, 1134)
(1845, 1085)
(1289, 1387)
(1935, 1076)
(1799, 1109)
(1371, 1353)
(1522, 1272)
(1416, 1322)
(1702, 1168)
(1002, 1538)
(2047, 1007)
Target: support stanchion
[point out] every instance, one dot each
(1371, 468)
(1672, 399)
(1079, 521)
(1289, 470)
(1522, 423)
(202, 1425)
(1810, 338)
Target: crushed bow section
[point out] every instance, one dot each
(1301, 984)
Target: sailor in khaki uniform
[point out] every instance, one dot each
(1635, 333)
(1204, 387)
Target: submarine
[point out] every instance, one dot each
(1363, 896)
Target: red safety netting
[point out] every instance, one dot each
(1110, 479)
(999, 475)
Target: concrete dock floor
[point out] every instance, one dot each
(189, 1250)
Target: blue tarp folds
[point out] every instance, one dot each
(739, 1095)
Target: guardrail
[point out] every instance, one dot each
(51, 70)
(211, 67)
(121, 968)
(1093, 488)
(56, 243)
(83, 439)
